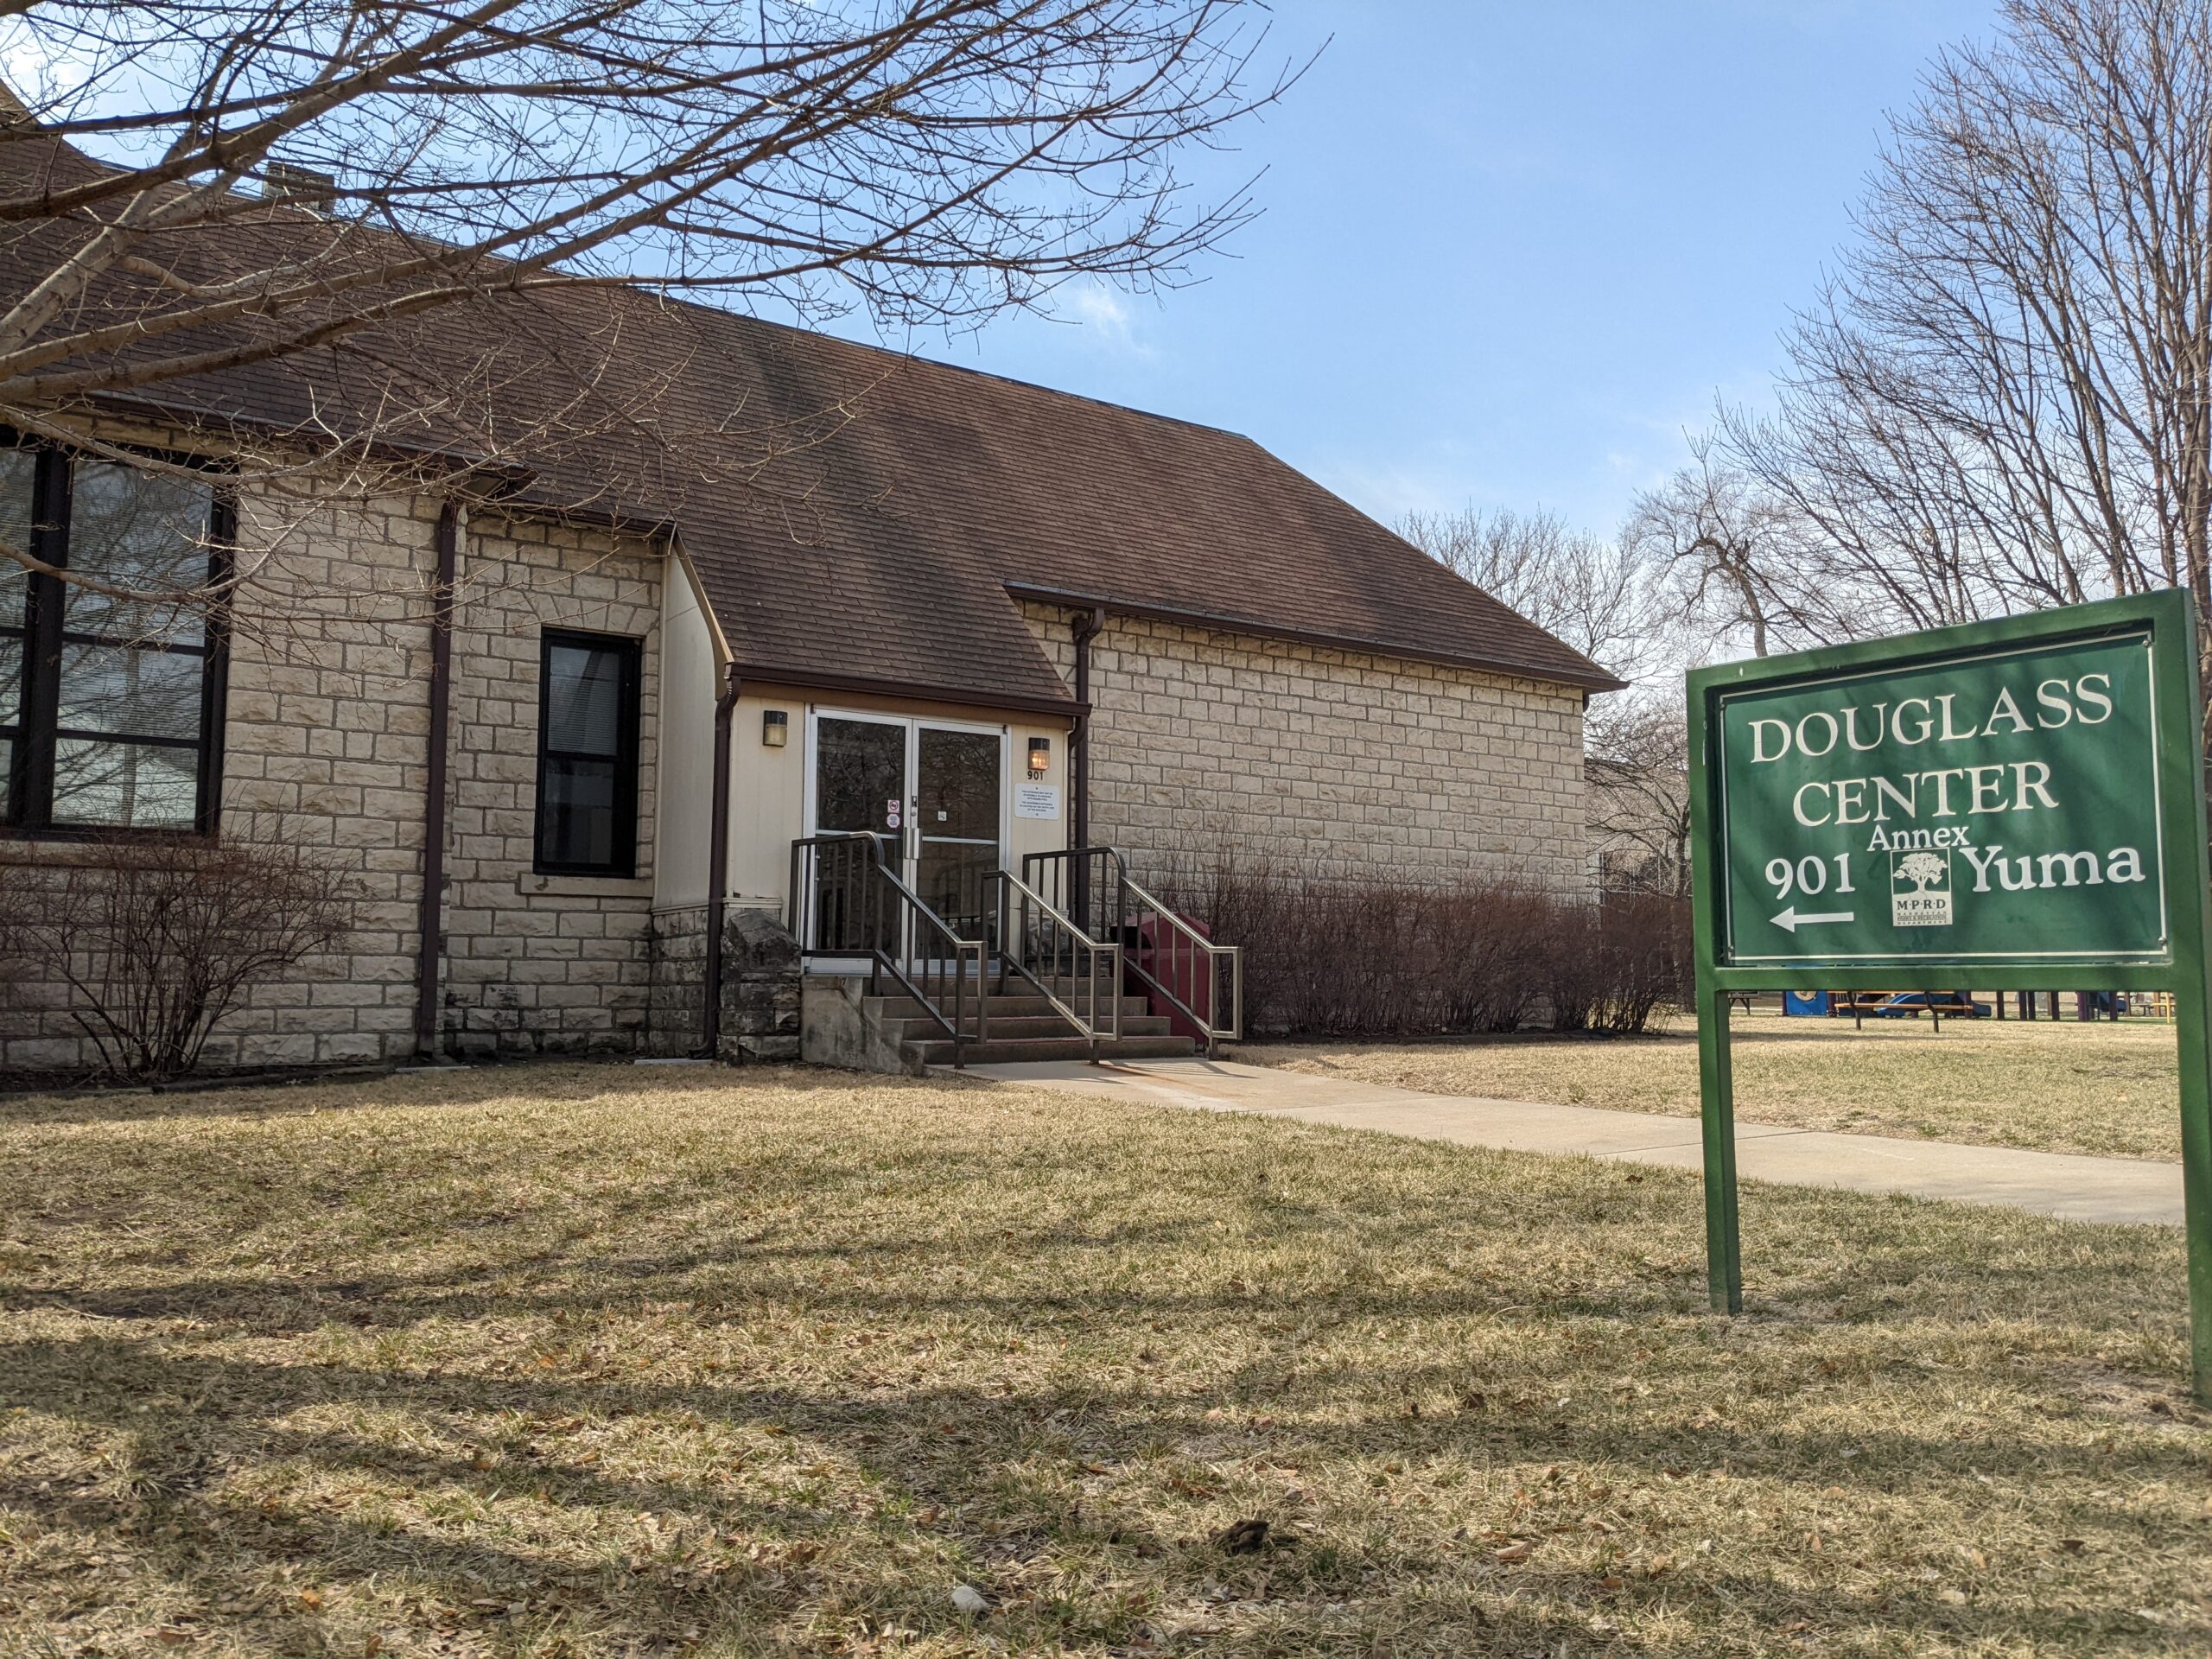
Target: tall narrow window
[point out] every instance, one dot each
(588, 754)
(18, 511)
(111, 677)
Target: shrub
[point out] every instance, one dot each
(157, 940)
(1384, 959)
(1612, 966)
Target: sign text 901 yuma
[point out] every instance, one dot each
(1991, 807)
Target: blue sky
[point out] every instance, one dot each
(1510, 250)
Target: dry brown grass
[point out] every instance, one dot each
(573, 1360)
(2107, 1090)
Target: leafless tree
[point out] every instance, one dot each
(1729, 554)
(269, 183)
(1636, 770)
(1597, 595)
(2003, 400)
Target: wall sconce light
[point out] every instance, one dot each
(1040, 756)
(775, 729)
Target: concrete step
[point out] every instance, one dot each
(999, 1006)
(1014, 1051)
(921, 1029)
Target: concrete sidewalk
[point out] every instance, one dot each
(2051, 1184)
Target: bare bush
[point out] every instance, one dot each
(1383, 959)
(157, 940)
(1615, 965)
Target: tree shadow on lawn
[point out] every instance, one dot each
(839, 1395)
(529, 1081)
(1985, 1264)
(242, 1470)
(920, 1452)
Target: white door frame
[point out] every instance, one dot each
(909, 835)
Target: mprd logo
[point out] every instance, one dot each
(1920, 889)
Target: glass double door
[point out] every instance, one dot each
(931, 793)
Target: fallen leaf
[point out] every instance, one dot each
(1513, 1553)
(1243, 1536)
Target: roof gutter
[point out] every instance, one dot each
(1596, 680)
(909, 691)
(436, 461)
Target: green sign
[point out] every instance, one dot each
(2011, 805)
(1990, 806)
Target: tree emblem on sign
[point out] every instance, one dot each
(1924, 870)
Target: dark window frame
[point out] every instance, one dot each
(26, 798)
(629, 743)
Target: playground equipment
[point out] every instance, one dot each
(1885, 1005)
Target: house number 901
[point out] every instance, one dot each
(1809, 874)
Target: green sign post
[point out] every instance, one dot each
(2010, 806)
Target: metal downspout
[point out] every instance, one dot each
(710, 1020)
(430, 910)
(1081, 630)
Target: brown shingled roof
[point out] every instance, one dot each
(858, 513)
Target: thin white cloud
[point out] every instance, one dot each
(1388, 493)
(1104, 315)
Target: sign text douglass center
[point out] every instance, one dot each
(1999, 804)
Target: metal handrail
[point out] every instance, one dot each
(1094, 883)
(1214, 954)
(841, 884)
(1094, 966)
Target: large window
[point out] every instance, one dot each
(588, 754)
(111, 681)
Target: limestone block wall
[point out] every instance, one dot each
(540, 963)
(326, 742)
(1336, 764)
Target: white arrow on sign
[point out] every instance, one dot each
(1791, 920)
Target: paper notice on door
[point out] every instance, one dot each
(891, 815)
(1036, 800)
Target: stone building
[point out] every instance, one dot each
(807, 651)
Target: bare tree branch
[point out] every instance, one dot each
(1596, 595)
(189, 191)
